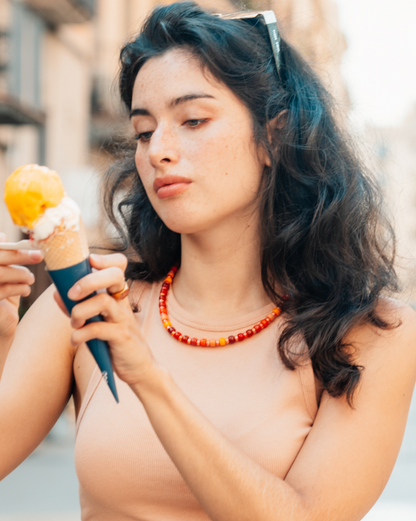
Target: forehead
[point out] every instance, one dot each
(171, 75)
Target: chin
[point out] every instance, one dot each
(180, 218)
(184, 222)
(181, 226)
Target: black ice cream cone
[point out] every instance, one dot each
(64, 279)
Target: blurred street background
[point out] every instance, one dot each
(59, 107)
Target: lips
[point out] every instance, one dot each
(170, 185)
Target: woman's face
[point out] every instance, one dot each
(195, 154)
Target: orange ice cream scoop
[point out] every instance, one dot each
(29, 191)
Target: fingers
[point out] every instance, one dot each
(116, 327)
(101, 262)
(15, 281)
(16, 274)
(25, 257)
(14, 290)
(111, 279)
(101, 304)
(103, 331)
(110, 276)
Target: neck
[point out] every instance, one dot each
(220, 273)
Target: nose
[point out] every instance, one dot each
(163, 148)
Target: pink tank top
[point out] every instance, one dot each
(244, 389)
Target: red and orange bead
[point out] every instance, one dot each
(204, 342)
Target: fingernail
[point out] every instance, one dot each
(95, 257)
(3, 237)
(74, 292)
(35, 254)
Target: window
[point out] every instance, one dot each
(25, 50)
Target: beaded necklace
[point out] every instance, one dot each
(204, 342)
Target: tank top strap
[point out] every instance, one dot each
(92, 386)
(307, 381)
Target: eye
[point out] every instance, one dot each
(195, 122)
(143, 136)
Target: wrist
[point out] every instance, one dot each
(155, 381)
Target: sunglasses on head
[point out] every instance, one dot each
(265, 18)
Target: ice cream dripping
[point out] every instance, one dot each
(65, 216)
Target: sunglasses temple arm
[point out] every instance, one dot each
(275, 41)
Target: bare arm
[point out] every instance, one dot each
(36, 381)
(342, 467)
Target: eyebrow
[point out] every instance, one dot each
(174, 103)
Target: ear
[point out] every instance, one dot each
(280, 120)
(277, 123)
(264, 156)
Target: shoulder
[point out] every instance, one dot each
(388, 356)
(399, 336)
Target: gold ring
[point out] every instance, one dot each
(119, 295)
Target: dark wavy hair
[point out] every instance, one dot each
(324, 240)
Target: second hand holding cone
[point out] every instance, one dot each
(36, 201)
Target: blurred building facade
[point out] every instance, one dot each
(392, 156)
(45, 84)
(58, 68)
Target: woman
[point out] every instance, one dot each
(242, 180)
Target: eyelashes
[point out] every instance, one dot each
(145, 137)
(194, 123)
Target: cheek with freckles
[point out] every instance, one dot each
(225, 174)
(227, 160)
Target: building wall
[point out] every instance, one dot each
(65, 67)
(66, 99)
(20, 146)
